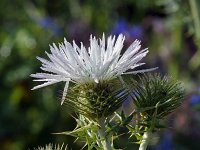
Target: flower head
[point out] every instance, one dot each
(102, 61)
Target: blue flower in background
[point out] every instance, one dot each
(48, 22)
(120, 27)
(194, 100)
(132, 31)
(136, 31)
(166, 142)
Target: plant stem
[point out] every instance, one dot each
(102, 134)
(194, 62)
(145, 140)
(195, 15)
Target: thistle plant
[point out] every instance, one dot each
(52, 147)
(154, 97)
(95, 89)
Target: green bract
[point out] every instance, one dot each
(156, 93)
(97, 100)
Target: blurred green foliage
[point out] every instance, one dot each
(27, 27)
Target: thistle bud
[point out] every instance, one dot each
(157, 96)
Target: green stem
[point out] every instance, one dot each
(145, 140)
(102, 134)
(194, 62)
(195, 16)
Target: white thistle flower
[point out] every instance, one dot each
(102, 61)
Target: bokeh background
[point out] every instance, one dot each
(169, 28)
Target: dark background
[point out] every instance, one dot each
(169, 28)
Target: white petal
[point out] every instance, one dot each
(141, 71)
(96, 80)
(65, 92)
(137, 65)
(44, 84)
